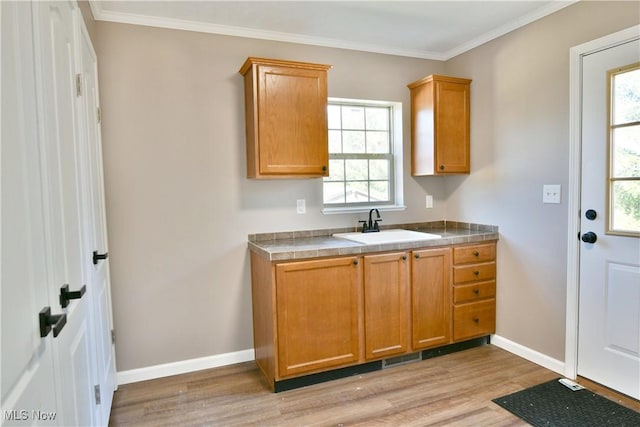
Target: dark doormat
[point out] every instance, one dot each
(551, 404)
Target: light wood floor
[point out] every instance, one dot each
(451, 390)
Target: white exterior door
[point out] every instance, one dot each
(28, 385)
(609, 289)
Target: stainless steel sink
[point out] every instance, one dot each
(387, 236)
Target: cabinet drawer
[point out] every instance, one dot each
(475, 319)
(477, 253)
(474, 272)
(474, 292)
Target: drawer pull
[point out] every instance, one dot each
(355, 262)
(476, 253)
(417, 256)
(476, 320)
(476, 273)
(404, 257)
(476, 291)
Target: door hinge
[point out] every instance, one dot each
(113, 336)
(99, 113)
(96, 393)
(78, 84)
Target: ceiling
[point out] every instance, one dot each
(422, 29)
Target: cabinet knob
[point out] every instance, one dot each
(417, 256)
(355, 262)
(404, 257)
(476, 273)
(476, 291)
(476, 253)
(441, 167)
(324, 168)
(476, 320)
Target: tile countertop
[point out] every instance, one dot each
(283, 246)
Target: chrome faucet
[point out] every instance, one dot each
(372, 225)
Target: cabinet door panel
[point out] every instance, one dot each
(430, 298)
(292, 108)
(385, 304)
(318, 305)
(452, 138)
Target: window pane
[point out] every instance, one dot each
(379, 191)
(626, 152)
(333, 116)
(352, 117)
(625, 215)
(357, 192)
(379, 169)
(626, 97)
(353, 141)
(336, 170)
(333, 192)
(377, 118)
(377, 142)
(356, 170)
(335, 141)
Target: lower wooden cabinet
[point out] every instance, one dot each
(430, 298)
(386, 302)
(317, 315)
(474, 290)
(318, 312)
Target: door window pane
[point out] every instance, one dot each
(625, 212)
(624, 151)
(626, 97)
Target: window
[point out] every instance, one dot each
(624, 151)
(365, 156)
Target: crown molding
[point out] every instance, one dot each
(100, 14)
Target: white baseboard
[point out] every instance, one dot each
(529, 354)
(192, 365)
(184, 366)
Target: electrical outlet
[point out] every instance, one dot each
(301, 206)
(551, 193)
(429, 201)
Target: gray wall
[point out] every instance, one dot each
(520, 141)
(179, 206)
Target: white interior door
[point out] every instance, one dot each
(96, 227)
(609, 289)
(65, 213)
(27, 375)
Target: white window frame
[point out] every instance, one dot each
(396, 144)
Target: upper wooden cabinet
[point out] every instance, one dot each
(286, 118)
(440, 126)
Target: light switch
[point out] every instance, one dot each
(429, 201)
(301, 206)
(551, 193)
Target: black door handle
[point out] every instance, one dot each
(589, 237)
(66, 295)
(49, 322)
(97, 257)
